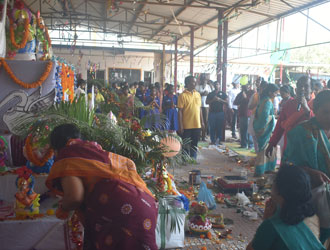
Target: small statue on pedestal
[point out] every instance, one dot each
(3, 154)
(27, 201)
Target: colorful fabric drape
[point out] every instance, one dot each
(263, 124)
(119, 212)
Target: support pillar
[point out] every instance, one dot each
(162, 83)
(192, 30)
(176, 66)
(219, 63)
(225, 50)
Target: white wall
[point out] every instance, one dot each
(136, 60)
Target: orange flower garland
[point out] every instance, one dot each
(67, 81)
(25, 36)
(38, 83)
(32, 158)
(64, 81)
(71, 82)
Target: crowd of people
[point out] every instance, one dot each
(262, 112)
(267, 115)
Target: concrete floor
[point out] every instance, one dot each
(212, 162)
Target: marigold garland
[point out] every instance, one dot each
(38, 83)
(32, 158)
(25, 36)
(67, 81)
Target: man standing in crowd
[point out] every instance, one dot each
(204, 89)
(216, 99)
(242, 101)
(232, 94)
(81, 88)
(190, 115)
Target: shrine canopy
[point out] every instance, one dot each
(164, 21)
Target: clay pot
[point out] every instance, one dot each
(171, 145)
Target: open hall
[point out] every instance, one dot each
(164, 124)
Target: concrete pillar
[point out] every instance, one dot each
(192, 30)
(176, 66)
(224, 62)
(219, 52)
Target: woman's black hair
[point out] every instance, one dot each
(269, 89)
(124, 88)
(263, 84)
(304, 80)
(62, 134)
(321, 98)
(81, 82)
(285, 89)
(316, 84)
(293, 184)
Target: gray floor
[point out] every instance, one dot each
(212, 162)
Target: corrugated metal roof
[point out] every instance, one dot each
(165, 21)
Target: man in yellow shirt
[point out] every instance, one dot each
(190, 118)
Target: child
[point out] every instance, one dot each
(153, 114)
(169, 104)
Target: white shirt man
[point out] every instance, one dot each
(232, 93)
(204, 89)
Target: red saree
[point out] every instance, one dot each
(119, 211)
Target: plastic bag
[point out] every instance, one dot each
(242, 199)
(321, 200)
(170, 223)
(206, 196)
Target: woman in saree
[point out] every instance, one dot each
(309, 146)
(263, 125)
(110, 198)
(289, 222)
(291, 115)
(252, 106)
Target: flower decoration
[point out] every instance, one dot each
(23, 172)
(32, 85)
(135, 125)
(40, 162)
(3, 154)
(76, 232)
(25, 37)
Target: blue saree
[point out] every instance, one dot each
(263, 124)
(273, 233)
(308, 146)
